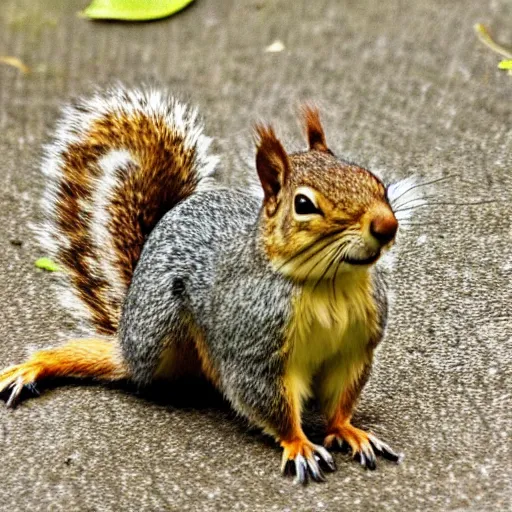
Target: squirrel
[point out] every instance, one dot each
(275, 298)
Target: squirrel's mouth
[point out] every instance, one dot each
(363, 261)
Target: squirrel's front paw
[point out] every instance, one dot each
(16, 378)
(364, 445)
(305, 459)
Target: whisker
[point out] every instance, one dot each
(327, 253)
(437, 180)
(406, 223)
(395, 207)
(315, 253)
(340, 261)
(309, 246)
(333, 252)
(338, 265)
(447, 203)
(337, 251)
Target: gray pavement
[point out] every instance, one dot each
(405, 88)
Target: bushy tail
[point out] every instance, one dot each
(119, 161)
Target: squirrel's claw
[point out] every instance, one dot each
(306, 461)
(324, 458)
(13, 381)
(385, 450)
(301, 470)
(314, 469)
(364, 446)
(367, 458)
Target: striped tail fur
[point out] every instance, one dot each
(118, 162)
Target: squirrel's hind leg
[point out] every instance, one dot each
(93, 357)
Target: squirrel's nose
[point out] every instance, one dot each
(384, 227)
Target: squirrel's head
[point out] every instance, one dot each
(321, 215)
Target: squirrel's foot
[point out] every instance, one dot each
(16, 378)
(363, 444)
(306, 459)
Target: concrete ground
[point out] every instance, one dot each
(405, 88)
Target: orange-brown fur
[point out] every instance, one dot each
(94, 358)
(291, 437)
(207, 366)
(137, 206)
(345, 191)
(273, 166)
(314, 130)
(339, 423)
(295, 446)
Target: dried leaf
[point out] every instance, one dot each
(15, 63)
(485, 37)
(133, 10)
(275, 47)
(47, 264)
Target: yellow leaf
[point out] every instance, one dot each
(15, 63)
(47, 264)
(505, 64)
(133, 10)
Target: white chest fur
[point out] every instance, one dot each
(329, 335)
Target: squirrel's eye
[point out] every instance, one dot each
(304, 205)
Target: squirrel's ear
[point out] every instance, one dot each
(272, 165)
(314, 131)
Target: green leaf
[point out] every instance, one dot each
(133, 10)
(505, 64)
(47, 264)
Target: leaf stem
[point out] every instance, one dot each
(484, 36)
